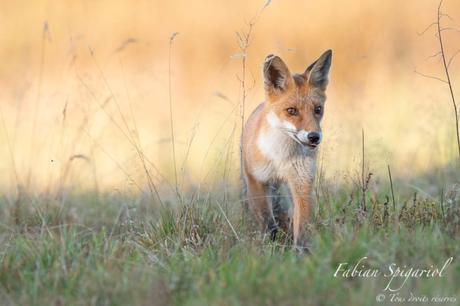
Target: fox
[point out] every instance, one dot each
(279, 146)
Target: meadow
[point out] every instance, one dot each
(119, 153)
(110, 249)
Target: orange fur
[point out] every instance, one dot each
(280, 141)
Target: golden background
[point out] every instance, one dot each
(84, 96)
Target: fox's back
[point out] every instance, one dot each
(252, 128)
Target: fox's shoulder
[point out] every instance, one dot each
(255, 120)
(257, 111)
(253, 127)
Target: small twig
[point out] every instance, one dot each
(446, 70)
(452, 58)
(363, 186)
(427, 28)
(446, 15)
(446, 65)
(442, 204)
(430, 76)
(171, 41)
(450, 29)
(434, 55)
(228, 221)
(38, 98)
(392, 191)
(244, 41)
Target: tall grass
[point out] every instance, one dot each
(105, 221)
(113, 250)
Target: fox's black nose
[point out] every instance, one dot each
(314, 137)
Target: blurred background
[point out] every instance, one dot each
(85, 93)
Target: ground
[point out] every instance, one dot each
(110, 249)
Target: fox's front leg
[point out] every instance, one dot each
(301, 191)
(259, 205)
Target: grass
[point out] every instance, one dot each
(111, 249)
(95, 248)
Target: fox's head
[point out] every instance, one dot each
(296, 101)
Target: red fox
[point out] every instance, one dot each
(280, 142)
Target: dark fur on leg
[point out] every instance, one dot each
(280, 212)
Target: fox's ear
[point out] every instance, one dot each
(277, 77)
(318, 72)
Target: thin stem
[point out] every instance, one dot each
(45, 35)
(244, 41)
(392, 191)
(446, 70)
(171, 117)
(362, 174)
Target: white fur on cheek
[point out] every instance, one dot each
(289, 126)
(275, 122)
(282, 153)
(273, 119)
(303, 135)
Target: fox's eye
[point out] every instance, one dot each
(292, 111)
(318, 110)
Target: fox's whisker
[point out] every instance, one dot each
(292, 135)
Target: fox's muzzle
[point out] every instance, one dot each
(311, 139)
